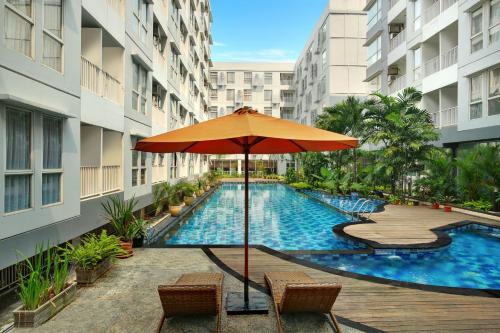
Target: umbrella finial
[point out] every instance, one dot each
(245, 109)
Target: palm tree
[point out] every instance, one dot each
(403, 128)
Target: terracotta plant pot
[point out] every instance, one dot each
(397, 202)
(447, 209)
(207, 188)
(175, 210)
(127, 246)
(188, 200)
(435, 205)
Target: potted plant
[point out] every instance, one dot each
(188, 193)
(140, 232)
(174, 201)
(42, 294)
(93, 256)
(160, 201)
(120, 214)
(394, 199)
(447, 199)
(434, 202)
(200, 187)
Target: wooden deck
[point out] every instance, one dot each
(404, 225)
(381, 306)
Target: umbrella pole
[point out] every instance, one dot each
(246, 224)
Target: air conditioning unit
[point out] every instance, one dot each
(391, 78)
(396, 28)
(392, 71)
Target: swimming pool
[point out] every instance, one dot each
(472, 260)
(285, 220)
(347, 203)
(280, 218)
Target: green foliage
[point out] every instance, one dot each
(479, 205)
(174, 195)
(361, 188)
(437, 178)
(93, 250)
(394, 199)
(291, 176)
(160, 197)
(187, 189)
(200, 183)
(34, 289)
(301, 186)
(60, 272)
(312, 163)
(121, 215)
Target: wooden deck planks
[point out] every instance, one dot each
(404, 225)
(384, 307)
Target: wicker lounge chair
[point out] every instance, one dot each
(298, 292)
(193, 293)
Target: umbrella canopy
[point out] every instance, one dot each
(264, 134)
(246, 131)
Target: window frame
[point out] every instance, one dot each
(247, 78)
(478, 101)
(59, 40)
(60, 170)
(494, 97)
(493, 26)
(29, 19)
(268, 78)
(233, 77)
(141, 95)
(138, 17)
(370, 22)
(478, 35)
(247, 95)
(141, 156)
(268, 95)
(230, 94)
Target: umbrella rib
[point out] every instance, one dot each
(188, 147)
(257, 140)
(235, 141)
(296, 144)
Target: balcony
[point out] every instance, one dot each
(160, 67)
(440, 62)
(436, 8)
(397, 84)
(100, 82)
(397, 40)
(444, 118)
(101, 156)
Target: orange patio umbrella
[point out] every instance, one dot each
(246, 131)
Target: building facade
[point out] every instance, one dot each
(448, 49)
(267, 88)
(80, 83)
(332, 64)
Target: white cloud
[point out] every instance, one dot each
(218, 44)
(262, 55)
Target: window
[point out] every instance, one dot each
(268, 78)
(373, 14)
(230, 78)
(52, 161)
(268, 95)
(230, 94)
(247, 78)
(19, 169)
(18, 26)
(322, 37)
(213, 78)
(374, 51)
(229, 109)
(213, 112)
(138, 165)
(476, 103)
(417, 64)
(214, 94)
(268, 111)
(476, 32)
(494, 92)
(173, 165)
(322, 85)
(247, 95)
(323, 61)
(174, 10)
(140, 19)
(374, 84)
(417, 9)
(139, 84)
(494, 27)
(53, 34)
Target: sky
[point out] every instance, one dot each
(262, 30)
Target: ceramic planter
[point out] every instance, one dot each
(175, 210)
(87, 277)
(207, 188)
(188, 200)
(34, 318)
(127, 247)
(199, 193)
(435, 206)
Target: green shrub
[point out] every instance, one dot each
(60, 272)
(185, 188)
(34, 288)
(478, 205)
(301, 186)
(360, 188)
(120, 214)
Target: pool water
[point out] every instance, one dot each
(280, 218)
(472, 260)
(346, 203)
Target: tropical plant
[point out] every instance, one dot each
(34, 288)
(312, 163)
(120, 214)
(200, 183)
(360, 188)
(93, 250)
(160, 197)
(437, 178)
(478, 205)
(187, 189)
(291, 175)
(174, 195)
(301, 186)
(60, 272)
(137, 228)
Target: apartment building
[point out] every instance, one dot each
(267, 88)
(332, 64)
(80, 83)
(448, 49)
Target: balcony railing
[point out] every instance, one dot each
(286, 82)
(445, 117)
(100, 82)
(398, 84)
(288, 99)
(443, 61)
(96, 180)
(397, 40)
(437, 7)
(393, 3)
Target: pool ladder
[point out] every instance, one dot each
(360, 212)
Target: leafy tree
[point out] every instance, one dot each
(438, 175)
(312, 163)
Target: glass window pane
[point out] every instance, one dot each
(494, 106)
(134, 177)
(476, 43)
(17, 33)
(52, 143)
(52, 16)
(18, 139)
(494, 89)
(143, 159)
(475, 88)
(17, 192)
(51, 188)
(23, 6)
(476, 110)
(143, 176)
(495, 34)
(52, 52)
(477, 22)
(494, 12)
(144, 12)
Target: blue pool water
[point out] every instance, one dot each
(346, 203)
(472, 260)
(283, 219)
(280, 218)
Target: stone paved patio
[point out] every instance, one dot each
(125, 300)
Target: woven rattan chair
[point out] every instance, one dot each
(193, 293)
(298, 292)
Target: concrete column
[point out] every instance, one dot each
(239, 167)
